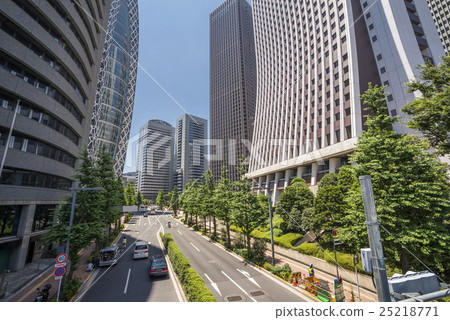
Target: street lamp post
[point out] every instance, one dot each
(270, 220)
(72, 212)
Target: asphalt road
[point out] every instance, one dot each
(228, 278)
(129, 280)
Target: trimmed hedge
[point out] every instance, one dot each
(192, 283)
(284, 272)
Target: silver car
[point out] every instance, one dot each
(158, 266)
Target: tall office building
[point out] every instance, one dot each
(191, 133)
(50, 54)
(232, 85)
(155, 159)
(113, 109)
(314, 60)
(440, 11)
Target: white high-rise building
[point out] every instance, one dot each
(155, 159)
(440, 12)
(314, 60)
(191, 163)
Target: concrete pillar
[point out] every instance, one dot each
(314, 169)
(260, 181)
(334, 164)
(300, 171)
(276, 193)
(269, 177)
(288, 174)
(19, 254)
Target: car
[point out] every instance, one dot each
(145, 214)
(158, 266)
(140, 250)
(109, 256)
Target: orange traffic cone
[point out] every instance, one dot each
(294, 282)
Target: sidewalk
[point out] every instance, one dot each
(22, 284)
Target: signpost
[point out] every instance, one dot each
(60, 270)
(339, 290)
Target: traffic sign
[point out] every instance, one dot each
(60, 265)
(58, 278)
(61, 258)
(59, 272)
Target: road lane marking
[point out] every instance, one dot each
(195, 247)
(128, 278)
(179, 232)
(245, 273)
(214, 285)
(238, 286)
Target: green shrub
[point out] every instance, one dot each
(70, 289)
(287, 240)
(192, 283)
(311, 249)
(284, 272)
(258, 249)
(242, 252)
(239, 241)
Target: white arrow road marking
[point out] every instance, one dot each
(128, 278)
(195, 247)
(179, 232)
(214, 285)
(245, 273)
(238, 286)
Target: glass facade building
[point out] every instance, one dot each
(113, 109)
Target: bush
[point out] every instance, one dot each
(288, 240)
(192, 283)
(242, 252)
(259, 249)
(71, 288)
(284, 272)
(311, 249)
(239, 241)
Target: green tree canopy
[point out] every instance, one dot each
(330, 179)
(411, 189)
(160, 199)
(431, 111)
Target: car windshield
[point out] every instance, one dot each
(141, 247)
(159, 264)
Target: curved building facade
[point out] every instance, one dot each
(314, 60)
(50, 54)
(113, 110)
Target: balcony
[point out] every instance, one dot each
(414, 18)
(423, 44)
(418, 30)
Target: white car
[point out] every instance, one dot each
(140, 250)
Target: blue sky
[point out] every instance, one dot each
(174, 50)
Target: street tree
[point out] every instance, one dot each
(139, 199)
(330, 179)
(160, 199)
(247, 212)
(431, 111)
(174, 200)
(130, 195)
(328, 209)
(87, 221)
(223, 196)
(411, 189)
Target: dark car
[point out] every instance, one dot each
(158, 266)
(145, 214)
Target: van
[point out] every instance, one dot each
(109, 256)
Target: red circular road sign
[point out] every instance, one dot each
(59, 271)
(61, 258)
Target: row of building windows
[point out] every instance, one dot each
(10, 28)
(55, 34)
(19, 70)
(38, 115)
(33, 179)
(36, 147)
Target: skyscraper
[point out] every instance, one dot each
(155, 159)
(190, 149)
(314, 59)
(113, 109)
(441, 16)
(50, 53)
(232, 85)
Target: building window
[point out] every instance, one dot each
(383, 70)
(379, 57)
(390, 98)
(9, 223)
(374, 38)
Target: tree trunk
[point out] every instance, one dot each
(215, 226)
(248, 243)
(196, 219)
(204, 219)
(404, 260)
(228, 233)
(186, 217)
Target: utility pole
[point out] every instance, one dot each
(271, 227)
(373, 229)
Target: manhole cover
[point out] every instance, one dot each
(256, 293)
(211, 261)
(234, 298)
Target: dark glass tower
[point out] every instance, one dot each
(114, 101)
(232, 85)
